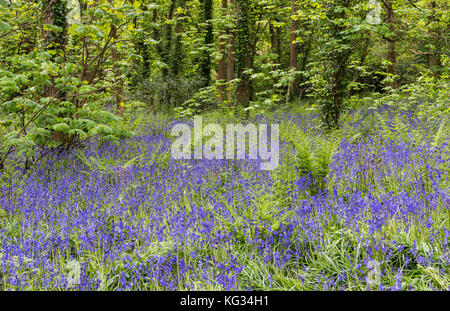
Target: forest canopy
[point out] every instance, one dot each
(65, 64)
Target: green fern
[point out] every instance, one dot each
(439, 135)
(311, 160)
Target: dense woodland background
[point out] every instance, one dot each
(64, 61)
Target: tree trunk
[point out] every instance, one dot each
(274, 47)
(168, 46)
(205, 64)
(391, 54)
(305, 56)
(293, 59)
(144, 50)
(164, 51)
(55, 13)
(115, 57)
(243, 53)
(274, 43)
(118, 88)
(222, 67)
(177, 57)
(433, 54)
(231, 60)
(335, 65)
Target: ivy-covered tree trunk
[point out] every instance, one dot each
(275, 42)
(168, 39)
(55, 39)
(205, 62)
(55, 32)
(55, 12)
(231, 58)
(435, 48)
(222, 66)
(115, 57)
(159, 51)
(177, 57)
(165, 53)
(293, 58)
(87, 73)
(337, 53)
(306, 49)
(274, 47)
(118, 88)
(391, 54)
(144, 50)
(243, 52)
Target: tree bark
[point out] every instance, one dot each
(293, 59)
(305, 56)
(391, 54)
(275, 42)
(222, 67)
(243, 52)
(275, 48)
(335, 65)
(177, 62)
(231, 60)
(433, 54)
(118, 89)
(164, 52)
(144, 52)
(115, 57)
(55, 13)
(168, 46)
(205, 64)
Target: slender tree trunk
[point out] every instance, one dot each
(274, 47)
(274, 43)
(433, 56)
(243, 52)
(144, 50)
(168, 45)
(115, 57)
(337, 55)
(205, 64)
(231, 60)
(55, 13)
(156, 34)
(177, 62)
(305, 56)
(293, 59)
(118, 88)
(391, 54)
(165, 54)
(222, 67)
(158, 47)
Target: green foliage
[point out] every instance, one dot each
(54, 94)
(313, 157)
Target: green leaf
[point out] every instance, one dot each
(131, 162)
(4, 27)
(86, 89)
(61, 127)
(101, 129)
(11, 106)
(54, 28)
(78, 30)
(5, 123)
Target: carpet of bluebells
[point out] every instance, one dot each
(365, 208)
